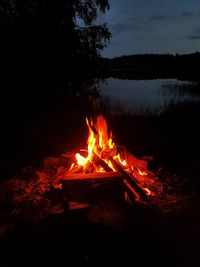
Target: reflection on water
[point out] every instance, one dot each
(182, 89)
(146, 96)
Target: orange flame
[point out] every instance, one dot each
(100, 145)
(98, 141)
(147, 191)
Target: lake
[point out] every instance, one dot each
(147, 96)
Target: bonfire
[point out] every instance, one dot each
(101, 171)
(103, 158)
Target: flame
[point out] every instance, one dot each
(122, 162)
(71, 167)
(100, 149)
(98, 141)
(142, 173)
(81, 160)
(147, 191)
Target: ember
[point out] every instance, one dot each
(103, 155)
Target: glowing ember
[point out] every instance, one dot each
(148, 191)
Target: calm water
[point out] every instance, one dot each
(143, 96)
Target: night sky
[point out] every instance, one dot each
(153, 26)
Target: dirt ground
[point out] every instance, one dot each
(165, 233)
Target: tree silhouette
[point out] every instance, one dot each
(49, 32)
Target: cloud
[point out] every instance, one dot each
(194, 37)
(140, 38)
(120, 27)
(187, 14)
(136, 18)
(195, 34)
(196, 30)
(159, 17)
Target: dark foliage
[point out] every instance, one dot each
(41, 37)
(48, 53)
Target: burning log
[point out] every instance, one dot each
(76, 169)
(102, 163)
(90, 166)
(104, 156)
(130, 194)
(88, 176)
(137, 190)
(94, 187)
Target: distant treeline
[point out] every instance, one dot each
(151, 66)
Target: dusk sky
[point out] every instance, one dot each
(153, 26)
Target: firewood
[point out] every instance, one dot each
(131, 193)
(94, 187)
(76, 169)
(89, 167)
(102, 163)
(86, 176)
(134, 184)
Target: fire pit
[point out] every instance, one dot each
(104, 169)
(102, 172)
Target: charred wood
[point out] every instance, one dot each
(134, 184)
(102, 163)
(94, 187)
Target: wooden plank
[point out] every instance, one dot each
(102, 163)
(132, 181)
(94, 187)
(86, 176)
